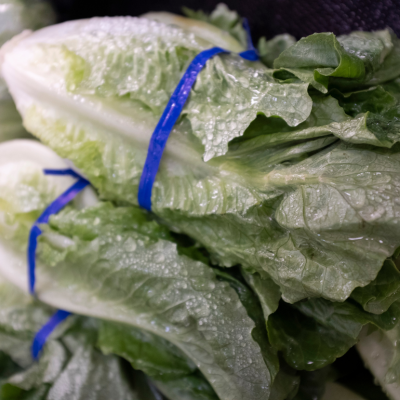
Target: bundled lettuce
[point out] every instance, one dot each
(16, 16)
(264, 168)
(288, 167)
(197, 333)
(171, 316)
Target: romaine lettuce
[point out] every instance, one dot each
(116, 264)
(88, 89)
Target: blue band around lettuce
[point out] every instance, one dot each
(59, 203)
(172, 112)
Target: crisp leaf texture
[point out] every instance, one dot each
(128, 272)
(128, 276)
(270, 50)
(324, 61)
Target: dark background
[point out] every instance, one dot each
(266, 17)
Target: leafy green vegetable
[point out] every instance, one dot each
(267, 291)
(129, 270)
(313, 333)
(270, 50)
(190, 387)
(70, 367)
(324, 61)
(382, 292)
(146, 352)
(128, 276)
(287, 198)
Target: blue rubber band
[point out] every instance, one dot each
(53, 208)
(41, 337)
(172, 112)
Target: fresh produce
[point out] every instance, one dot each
(273, 240)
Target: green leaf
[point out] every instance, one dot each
(266, 290)
(16, 16)
(389, 69)
(69, 365)
(316, 58)
(347, 62)
(382, 114)
(133, 278)
(191, 387)
(375, 100)
(270, 50)
(155, 356)
(382, 292)
(313, 333)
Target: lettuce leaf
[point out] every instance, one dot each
(133, 278)
(324, 61)
(69, 367)
(270, 50)
(108, 249)
(382, 292)
(313, 333)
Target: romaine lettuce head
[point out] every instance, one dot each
(117, 264)
(299, 185)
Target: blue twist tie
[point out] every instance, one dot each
(172, 112)
(53, 208)
(41, 337)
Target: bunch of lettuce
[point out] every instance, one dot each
(275, 225)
